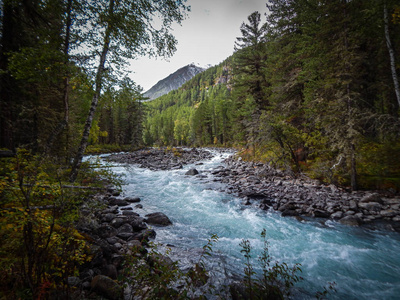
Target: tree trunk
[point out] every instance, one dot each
(64, 123)
(89, 120)
(353, 173)
(391, 55)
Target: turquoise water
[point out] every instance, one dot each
(364, 263)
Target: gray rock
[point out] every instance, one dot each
(374, 206)
(192, 172)
(108, 217)
(129, 213)
(289, 212)
(350, 221)
(106, 287)
(125, 228)
(117, 222)
(388, 213)
(158, 218)
(375, 197)
(353, 205)
(132, 200)
(110, 271)
(106, 231)
(119, 202)
(125, 235)
(349, 213)
(337, 215)
(318, 213)
(137, 223)
(73, 281)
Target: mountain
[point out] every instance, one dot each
(173, 81)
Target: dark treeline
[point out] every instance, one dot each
(63, 77)
(63, 86)
(313, 88)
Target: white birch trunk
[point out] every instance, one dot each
(95, 100)
(391, 54)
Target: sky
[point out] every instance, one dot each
(206, 37)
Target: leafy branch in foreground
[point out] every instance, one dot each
(152, 275)
(276, 279)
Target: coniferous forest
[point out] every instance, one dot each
(311, 88)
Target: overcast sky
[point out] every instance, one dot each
(206, 37)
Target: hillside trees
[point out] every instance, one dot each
(310, 90)
(199, 113)
(126, 31)
(33, 59)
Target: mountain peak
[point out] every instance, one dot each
(173, 81)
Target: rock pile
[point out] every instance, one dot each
(267, 188)
(162, 159)
(113, 232)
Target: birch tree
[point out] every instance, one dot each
(126, 30)
(391, 54)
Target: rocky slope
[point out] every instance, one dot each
(173, 81)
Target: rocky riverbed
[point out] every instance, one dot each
(269, 188)
(162, 158)
(121, 225)
(114, 233)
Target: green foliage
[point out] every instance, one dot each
(198, 113)
(40, 247)
(276, 279)
(154, 276)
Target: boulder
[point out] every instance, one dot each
(132, 200)
(289, 213)
(110, 271)
(374, 206)
(375, 197)
(318, 213)
(137, 223)
(119, 202)
(106, 287)
(337, 215)
(158, 218)
(106, 231)
(388, 213)
(125, 228)
(117, 222)
(350, 221)
(192, 172)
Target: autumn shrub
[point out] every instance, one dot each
(153, 275)
(39, 245)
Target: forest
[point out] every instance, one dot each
(312, 88)
(64, 86)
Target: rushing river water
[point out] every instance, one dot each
(364, 263)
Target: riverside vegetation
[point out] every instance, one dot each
(312, 91)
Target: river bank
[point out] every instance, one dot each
(197, 209)
(267, 188)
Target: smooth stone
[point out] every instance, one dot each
(192, 172)
(350, 221)
(106, 287)
(158, 218)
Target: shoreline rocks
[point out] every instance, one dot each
(162, 158)
(112, 234)
(268, 188)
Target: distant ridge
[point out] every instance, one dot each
(173, 81)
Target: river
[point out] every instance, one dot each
(364, 263)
